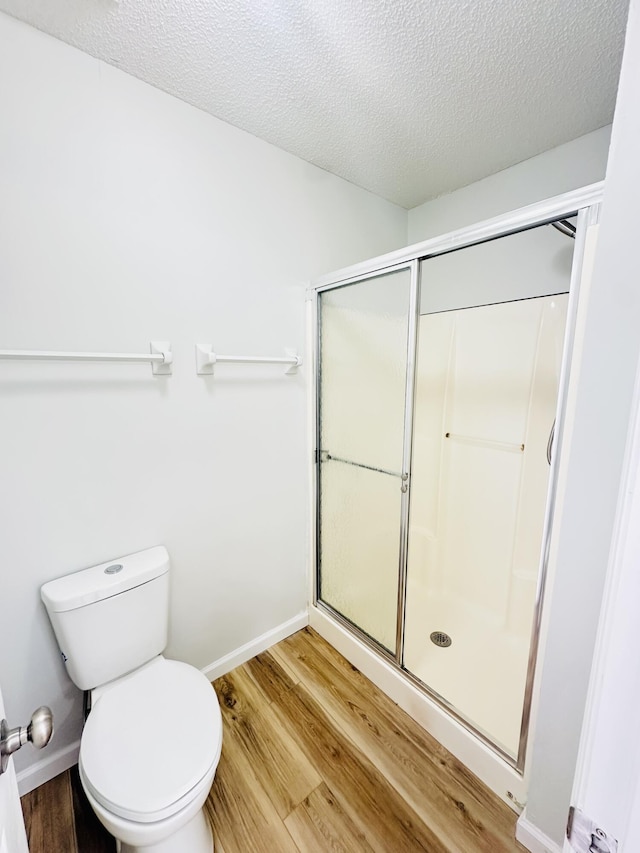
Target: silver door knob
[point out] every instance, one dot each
(38, 732)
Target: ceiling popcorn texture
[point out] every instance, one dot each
(407, 98)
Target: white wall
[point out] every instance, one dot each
(607, 786)
(567, 167)
(128, 216)
(596, 466)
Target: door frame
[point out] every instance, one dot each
(606, 785)
(585, 203)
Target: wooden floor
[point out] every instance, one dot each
(314, 758)
(59, 819)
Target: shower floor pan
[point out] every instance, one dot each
(481, 674)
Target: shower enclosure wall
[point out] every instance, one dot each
(441, 385)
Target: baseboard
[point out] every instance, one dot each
(53, 764)
(225, 664)
(533, 838)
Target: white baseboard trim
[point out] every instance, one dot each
(53, 764)
(533, 838)
(225, 664)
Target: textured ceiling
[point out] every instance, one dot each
(407, 98)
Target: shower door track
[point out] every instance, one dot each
(583, 203)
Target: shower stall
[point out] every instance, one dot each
(441, 394)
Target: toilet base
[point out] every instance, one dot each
(194, 835)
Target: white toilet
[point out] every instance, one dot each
(152, 741)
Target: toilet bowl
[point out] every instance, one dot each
(148, 755)
(187, 832)
(152, 740)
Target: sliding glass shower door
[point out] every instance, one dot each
(490, 346)
(363, 343)
(438, 383)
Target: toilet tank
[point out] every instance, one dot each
(112, 618)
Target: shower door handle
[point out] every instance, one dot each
(550, 442)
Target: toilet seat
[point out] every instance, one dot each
(151, 740)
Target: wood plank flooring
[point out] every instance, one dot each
(59, 819)
(314, 758)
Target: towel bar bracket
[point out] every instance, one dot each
(164, 367)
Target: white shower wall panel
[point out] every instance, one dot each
(475, 539)
(487, 378)
(486, 393)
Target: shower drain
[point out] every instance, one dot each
(440, 639)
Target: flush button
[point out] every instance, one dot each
(113, 570)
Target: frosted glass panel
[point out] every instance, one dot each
(360, 524)
(363, 363)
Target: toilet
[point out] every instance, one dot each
(152, 740)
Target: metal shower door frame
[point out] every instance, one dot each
(413, 267)
(583, 203)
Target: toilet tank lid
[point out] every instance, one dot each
(103, 581)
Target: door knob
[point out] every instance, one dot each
(38, 732)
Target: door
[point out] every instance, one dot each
(13, 838)
(485, 407)
(364, 330)
(490, 346)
